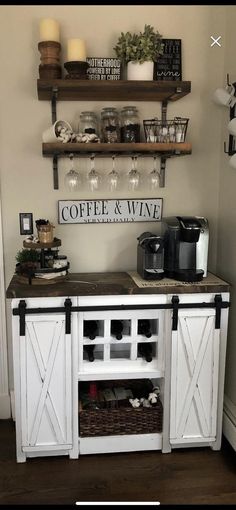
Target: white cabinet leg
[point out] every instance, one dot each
(20, 456)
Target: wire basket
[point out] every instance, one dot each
(167, 131)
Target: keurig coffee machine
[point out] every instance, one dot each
(186, 247)
(150, 256)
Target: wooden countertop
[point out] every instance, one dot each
(97, 284)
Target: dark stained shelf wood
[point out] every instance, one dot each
(106, 149)
(117, 283)
(120, 90)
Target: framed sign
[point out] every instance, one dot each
(104, 68)
(169, 65)
(109, 211)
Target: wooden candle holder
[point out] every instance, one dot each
(50, 67)
(76, 70)
(50, 52)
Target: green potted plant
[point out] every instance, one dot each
(139, 51)
(27, 261)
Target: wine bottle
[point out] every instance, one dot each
(89, 350)
(145, 350)
(90, 329)
(117, 328)
(144, 328)
(90, 398)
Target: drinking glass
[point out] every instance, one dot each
(133, 175)
(93, 176)
(72, 178)
(112, 179)
(153, 177)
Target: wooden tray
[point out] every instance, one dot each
(39, 281)
(36, 246)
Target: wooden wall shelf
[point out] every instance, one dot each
(120, 90)
(121, 149)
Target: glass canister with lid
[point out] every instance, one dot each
(88, 123)
(130, 124)
(110, 126)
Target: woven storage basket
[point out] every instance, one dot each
(122, 420)
(106, 422)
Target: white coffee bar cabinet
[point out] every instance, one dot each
(189, 332)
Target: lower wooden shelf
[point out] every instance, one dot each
(121, 149)
(144, 149)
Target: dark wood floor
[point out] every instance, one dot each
(186, 476)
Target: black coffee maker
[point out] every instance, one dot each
(150, 256)
(181, 236)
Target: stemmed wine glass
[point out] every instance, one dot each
(72, 178)
(154, 176)
(93, 176)
(112, 179)
(133, 175)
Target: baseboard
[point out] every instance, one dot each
(229, 421)
(5, 407)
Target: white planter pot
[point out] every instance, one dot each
(137, 71)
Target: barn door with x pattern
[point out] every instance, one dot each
(46, 390)
(194, 377)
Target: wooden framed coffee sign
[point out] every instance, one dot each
(109, 211)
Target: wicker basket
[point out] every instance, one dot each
(122, 420)
(167, 131)
(106, 422)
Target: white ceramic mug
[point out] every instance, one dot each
(232, 127)
(225, 96)
(50, 134)
(232, 161)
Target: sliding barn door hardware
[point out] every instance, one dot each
(68, 309)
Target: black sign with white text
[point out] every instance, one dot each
(104, 68)
(169, 65)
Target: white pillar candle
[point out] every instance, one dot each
(76, 50)
(49, 30)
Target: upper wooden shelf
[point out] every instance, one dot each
(120, 90)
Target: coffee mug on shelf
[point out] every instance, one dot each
(232, 127)
(225, 97)
(232, 161)
(51, 134)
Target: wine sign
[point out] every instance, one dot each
(169, 65)
(104, 68)
(109, 211)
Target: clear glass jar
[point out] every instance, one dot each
(110, 126)
(88, 123)
(130, 124)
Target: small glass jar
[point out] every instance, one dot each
(130, 124)
(88, 123)
(110, 126)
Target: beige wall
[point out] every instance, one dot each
(192, 182)
(226, 248)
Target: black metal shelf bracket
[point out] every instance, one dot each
(162, 172)
(55, 171)
(54, 104)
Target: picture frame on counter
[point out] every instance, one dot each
(168, 66)
(104, 68)
(109, 211)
